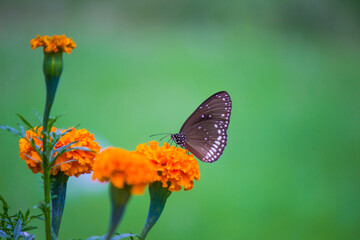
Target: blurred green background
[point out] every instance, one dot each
(292, 68)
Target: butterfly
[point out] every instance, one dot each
(204, 133)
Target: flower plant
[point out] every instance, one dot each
(58, 154)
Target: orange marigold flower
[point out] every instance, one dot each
(173, 164)
(122, 168)
(53, 44)
(72, 163)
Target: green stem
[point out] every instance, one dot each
(46, 169)
(58, 195)
(47, 203)
(52, 67)
(158, 197)
(119, 199)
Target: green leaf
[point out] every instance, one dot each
(29, 228)
(52, 120)
(35, 147)
(27, 214)
(25, 121)
(37, 217)
(5, 205)
(51, 123)
(5, 220)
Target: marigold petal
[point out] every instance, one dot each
(174, 165)
(53, 44)
(72, 163)
(122, 167)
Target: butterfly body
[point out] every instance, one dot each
(179, 138)
(204, 133)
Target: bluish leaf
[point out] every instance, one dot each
(94, 238)
(32, 158)
(60, 149)
(66, 131)
(22, 130)
(53, 235)
(11, 130)
(52, 159)
(17, 229)
(4, 235)
(27, 236)
(37, 115)
(57, 165)
(81, 148)
(124, 235)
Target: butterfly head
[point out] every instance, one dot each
(179, 139)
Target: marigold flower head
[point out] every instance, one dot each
(122, 168)
(53, 44)
(72, 163)
(173, 165)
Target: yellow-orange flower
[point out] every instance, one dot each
(122, 168)
(54, 43)
(72, 163)
(173, 164)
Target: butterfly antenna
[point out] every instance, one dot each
(164, 137)
(159, 134)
